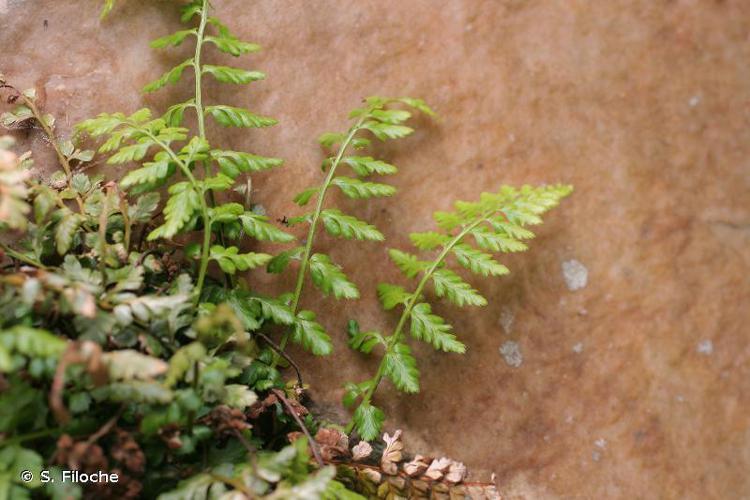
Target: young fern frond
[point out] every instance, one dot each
(384, 123)
(192, 202)
(496, 223)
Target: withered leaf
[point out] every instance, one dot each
(392, 453)
(361, 451)
(416, 466)
(437, 468)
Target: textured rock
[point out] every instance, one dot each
(642, 105)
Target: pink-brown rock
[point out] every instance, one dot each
(628, 369)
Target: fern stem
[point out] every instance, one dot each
(314, 224)
(21, 257)
(198, 70)
(396, 336)
(54, 143)
(203, 268)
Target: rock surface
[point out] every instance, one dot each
(642, 105)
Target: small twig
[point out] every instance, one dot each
(281, 353)
(313, 444)
(250, 448)
(104, 430)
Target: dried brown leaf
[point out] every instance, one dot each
(437, 468)
(456, 472)
(361, 451)
(416, 466)
(392, 453)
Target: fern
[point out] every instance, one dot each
(384, 122)
(191, 203)
(497, 223)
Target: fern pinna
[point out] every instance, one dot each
(383, 122)
(496, 223)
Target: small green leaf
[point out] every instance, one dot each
(175, 114)
(133, 152)
(144, 207)
(409, 264)
(329, 139)
(219, 182)
(357, 189)
(367, 165)
(311, 334)
(478, 262)
(384, 131)
(226, 74)
(391, 116)
(329, 278)
(259, 228)
(368, 420)
(182, 361)
(181, 205)
(401, 367)
(433, 329)
(155, 172)
(392, 295)
(232, 163)
(170, 77)
(447, 221)
(231, 261)
(304, 197)
(346, 226)
(429, 240)
(275, 310)
(231, 45)
(449, 284)
(172, 40)
(363, 341)
(229, 116)
(419, 105)
(195, 150)
(496, 242)
(66, 229)
(280, 262)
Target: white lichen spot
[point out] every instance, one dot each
(680, 398)
(596, 456)
(507, 317)
(601, 443)
(694, 101)
(511, 353)
(576, 275)
(705, 347)
(578, 348)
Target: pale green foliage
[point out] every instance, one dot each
(379, 118)
(496, 223)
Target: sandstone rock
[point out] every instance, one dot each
(641, 105)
